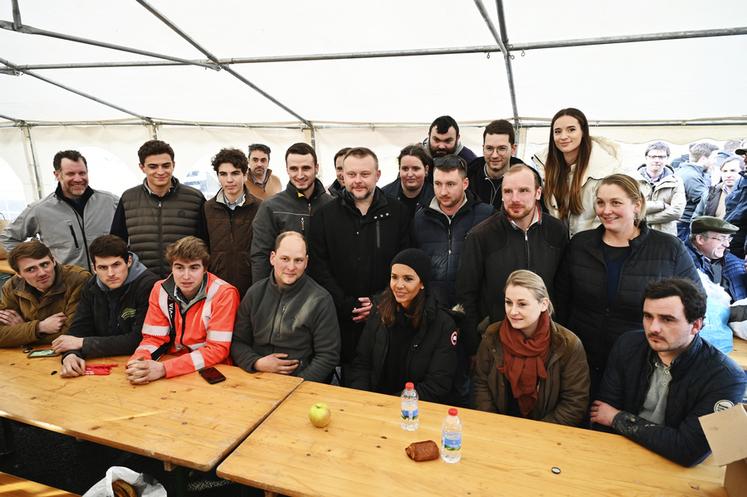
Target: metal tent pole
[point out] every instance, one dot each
(73, 90)
(506, 54)
(33, 165)
(214, 59)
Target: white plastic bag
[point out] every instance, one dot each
(146, 486)
(738, 318)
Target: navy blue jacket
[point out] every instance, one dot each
(394, 190)
(728, 271)
(442, 238)
(736, 214)
(701, 377)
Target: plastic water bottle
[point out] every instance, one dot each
(451, 438)
(409, 407)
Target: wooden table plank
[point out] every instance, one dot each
(183, 421)
(739, 354)
(11, 486)
(362, 453)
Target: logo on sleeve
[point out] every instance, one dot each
(722, 405)
(453, 338)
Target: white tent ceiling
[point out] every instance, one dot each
(684, 79)
(384, 102)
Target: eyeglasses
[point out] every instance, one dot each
(489, 149)
(722, 239)
(660, 157)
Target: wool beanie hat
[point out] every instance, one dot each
(418, 261)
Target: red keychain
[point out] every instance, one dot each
(99, 369)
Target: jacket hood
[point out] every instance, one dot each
(457, 150)
(137, 268)
(665, 173)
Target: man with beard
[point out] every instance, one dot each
(440, 228)
(486, 173)
(353, 240)
(289, 210)
(69, 217)
(261, 182)
(660, 381)
(443, 139)
(412, 187)
(520, 236)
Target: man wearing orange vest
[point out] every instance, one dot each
(190, 316)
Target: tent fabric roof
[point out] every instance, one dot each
(697, 78)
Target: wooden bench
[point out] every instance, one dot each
(12, 486)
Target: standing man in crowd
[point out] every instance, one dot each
(261, 182)
(68, 219)
(287, 323)
(338, 185)
(412, 187)
(290, 210)
(696, 179)
(112, 307)
(486, 173)
(190, 316)
(353, 240)
(39, 302)
(229, 216)
(443, 139)
(659, 381)
(440, 228)
(664, 190)
(160, 211)
(520, 236)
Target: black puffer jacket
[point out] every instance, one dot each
(350, 254)
(150, 223)
(492, 251)
(701, 377)
(442, 238)
(581, 286)
(110, 321)
(431, 359)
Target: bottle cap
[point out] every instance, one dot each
(409, 385)
(452, 411)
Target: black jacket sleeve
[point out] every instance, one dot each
(442, 368)
(468, 283)
(359, 372)
(119, 224)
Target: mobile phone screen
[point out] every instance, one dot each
(212, 375)
(42, 353)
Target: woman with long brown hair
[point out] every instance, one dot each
(528, 365)
(574, 163)
(407, 337)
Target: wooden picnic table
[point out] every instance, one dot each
(362, 453)
(739, 354)
(182, 421)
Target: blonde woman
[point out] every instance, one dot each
(529, 366)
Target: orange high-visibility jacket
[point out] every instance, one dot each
(203, 332)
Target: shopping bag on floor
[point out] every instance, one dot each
(144, 485)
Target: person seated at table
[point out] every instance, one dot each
(190, 315)
(39, 302)
(407, 337)
(528, 365)
(600, 282)
(287, 323)
(111, 310)
(659, 381)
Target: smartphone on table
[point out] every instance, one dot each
(212, 375)
(42, 353)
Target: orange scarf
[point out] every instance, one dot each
(524, 360)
